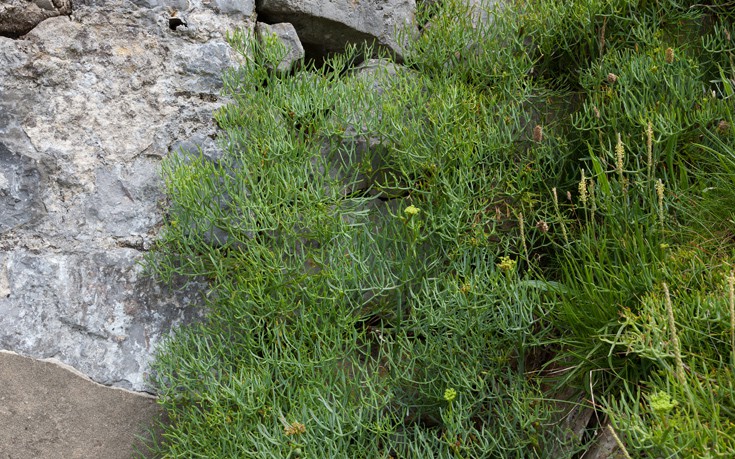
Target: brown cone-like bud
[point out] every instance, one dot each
(538, 133)
(669, 56)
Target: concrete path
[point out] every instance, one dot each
(48, 410)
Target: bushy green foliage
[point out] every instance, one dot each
(413, 260)
(649, 214)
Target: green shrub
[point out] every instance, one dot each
(412, 260)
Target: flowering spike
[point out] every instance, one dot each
(619, 157)
(583, 189)
(669, 56)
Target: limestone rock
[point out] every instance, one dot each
(377, 73)
(20, 183)
(173, 5)
(88, 107)
(94, 309)
(244, 7)
(287, 37)
(18, 17)
(331, 25)
(605, 446)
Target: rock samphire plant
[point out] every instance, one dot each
(426, 259)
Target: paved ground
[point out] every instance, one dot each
(50, 411)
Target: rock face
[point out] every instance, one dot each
(20, 201)
(327, 26)
(286, 36)
(18, 17)
(89, 104)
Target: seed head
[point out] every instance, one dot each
(674, 337)
(619, 156)
(669, 56)
(660, 190)
(538, 134)
(583, 189)
(612, 78)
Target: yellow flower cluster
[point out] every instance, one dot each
(661, 402)
(507, 263)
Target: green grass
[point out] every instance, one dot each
(524, 210)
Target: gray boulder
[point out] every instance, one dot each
(330, 26)
(88, 107)
(243, 7)
(18, 17)
(286, 36)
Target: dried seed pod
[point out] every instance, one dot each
(538, 134)
(669, 56)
